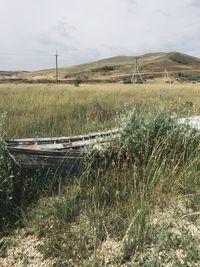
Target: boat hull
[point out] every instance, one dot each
(61, 161)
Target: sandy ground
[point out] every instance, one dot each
(23, 250)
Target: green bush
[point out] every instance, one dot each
(147, 137)
(126, 80)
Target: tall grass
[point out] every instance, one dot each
(152, 161)
(19, 188)
(50, 110)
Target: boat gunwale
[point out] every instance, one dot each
(58, 140)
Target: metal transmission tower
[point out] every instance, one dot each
(56, 55)
(167, 79)
(136, 77)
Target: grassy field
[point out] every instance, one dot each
(136, 202)
(56, 110)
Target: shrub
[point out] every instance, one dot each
(127, 80)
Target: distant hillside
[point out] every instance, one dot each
(116, 68)
(8, 73)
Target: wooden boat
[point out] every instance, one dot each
(63, 154)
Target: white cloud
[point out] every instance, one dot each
(195, 3)
(91, 29)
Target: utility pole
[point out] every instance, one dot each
(56, 55)
(137, 77)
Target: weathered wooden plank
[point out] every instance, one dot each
(59, 163)
(58, 140)
(68, 161)
(26, 151)
(61, 146)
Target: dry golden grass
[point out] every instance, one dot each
(50, 110)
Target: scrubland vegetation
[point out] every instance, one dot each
(137, 201)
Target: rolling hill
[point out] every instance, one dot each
(115, 68)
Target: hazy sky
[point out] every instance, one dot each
(87, 30)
